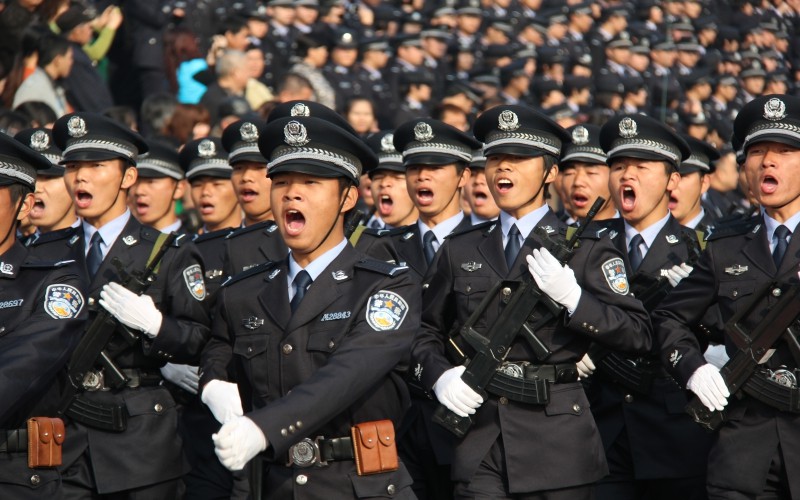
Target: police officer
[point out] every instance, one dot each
(341, 71)
(476, 192)
(159, 185)
(375, 54)
(685, 201)
(756, 447)
(393, 205)
(209, 174)
(319, 334)
(42, 311)
(517, 448)
(142, 453)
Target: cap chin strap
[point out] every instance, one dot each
(13, 226)
(330, 229)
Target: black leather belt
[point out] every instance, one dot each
(14, 441)
(773, 391)
(319, 451)
(528, 383)
(95, 380)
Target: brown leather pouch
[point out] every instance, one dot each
(375, 447)
(45, 437)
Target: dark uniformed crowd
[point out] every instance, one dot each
(484, 250)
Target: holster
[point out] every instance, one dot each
(45, 437)
(374, 447)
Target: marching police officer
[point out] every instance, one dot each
(320, 335)
(757, 445)
(159, 185)
(141, 453)
(685, 201)
(42, 312)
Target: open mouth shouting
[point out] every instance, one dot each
(769, 184)
(385, 205)
(673, 202)
(627, 198)
(247, 195)
(83, 199)
(141, 206)
(580, 200)
(504, 186)
(206, 208)
(294, 221)
(424, 197)
(38, 207)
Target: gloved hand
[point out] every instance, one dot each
(455, 394)
(716, 355)
(222, 398)
(556, 280)
(585, 366)
(707, 383)
(184, 376)
(237, 442)
(677, 273)
(134, 311)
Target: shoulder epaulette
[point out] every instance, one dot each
(380, 233)
(46, 264)
(269, 226)
(222, 233)
(149, 233)
(477, 227)
(381, 267)
(59, 234)
(260, 268)
(732, 228)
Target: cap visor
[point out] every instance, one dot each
(640, 154)
(220, 173)
(309, 167)
(254, 157)
(93, 155)
(513, 150)
(773, 137)
(430, 159)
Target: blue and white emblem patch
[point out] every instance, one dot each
(614, 272)
(63, 301)
(386, 311)
(193, 276)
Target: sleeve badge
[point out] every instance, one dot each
(193, 276)
(617, 279)
(63, 301)
(386, 311)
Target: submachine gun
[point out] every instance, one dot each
(740, 372)
(92, 351)
(516, 319)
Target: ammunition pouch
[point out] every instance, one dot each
(524, 382)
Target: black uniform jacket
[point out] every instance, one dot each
(252, 245)
(335, 362)
(546, 447)
(149, 450)
(42, 315)
(737, 262)
(212, 247)
(663, 440)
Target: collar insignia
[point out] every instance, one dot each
(129, 240)
(339, 275)
(6, 268)
(672, 239)
(274, 273)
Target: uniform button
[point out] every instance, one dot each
(2, 329)
(776, 292)
(249, 350)
(301, 479)
(331, 344)
(284, 432)
(158, 408)
(91, 301)
(287, 348)
(506, 292)
(390, 489)
(35, 479)
(291, 429)
(629, 398)
(576, 408)
(503, 400)
(299, 424)
(735, 293)
(152, 41)
(585, 325)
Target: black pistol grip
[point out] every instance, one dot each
(459, 426)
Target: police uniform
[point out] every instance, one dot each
(701, 159)
(551, 448)
(344, 79)
(162, 161)
(42, 313)
(329, 365)
(147, 454)
(758, 444)
(206, 158)
(373, 85)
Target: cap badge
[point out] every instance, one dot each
(580, 135)
(249, 132)
(295, 134)
(628, 128)
(387, 143)
(76, 127)
(774, 109)
(300, 109)
(508, 121)
(39, 140)
(423, 132)
(206, 148)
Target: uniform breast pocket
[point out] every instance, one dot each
(251, 350)
(735, 294)
(470, 290)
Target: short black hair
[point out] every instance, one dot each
(18, 191)
(232, 24)
(50, 47)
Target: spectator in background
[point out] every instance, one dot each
(189, 121)
(25, 62)
(183, 60)
(232, 77)
(44, 84)
(360, 114)
(86, 89)
(14, 20)
(155, 114)
(313, 52)
(104, 30)
(256, 92)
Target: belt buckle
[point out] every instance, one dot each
(306, 454)
(93, 381)
(783, 377)
(513, 369)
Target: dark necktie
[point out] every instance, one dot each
(95, 256)
(512, 246)
(300, 284)
(635, 252)
(783, 234)
(427, 246)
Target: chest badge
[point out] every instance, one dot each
(252, 322)
(471, 266)
(736, 270)
(6, 268)
(672, 239)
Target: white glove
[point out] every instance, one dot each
(707, 383)
(716, 355)
(585, 366)
(455, 394)
(222, 398)
(237, 442)
(134, 311)
(556, 280)
(184, 376)
(677, 273)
